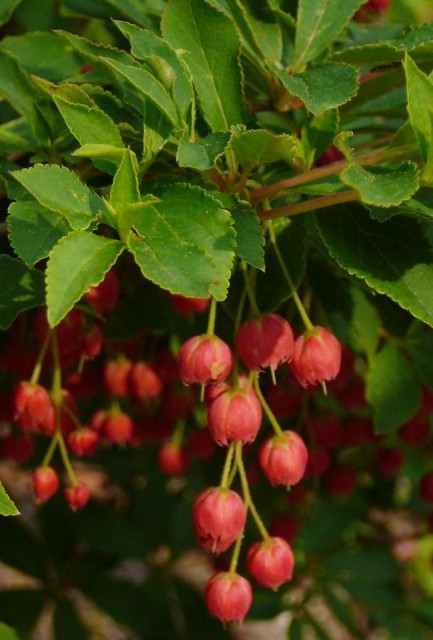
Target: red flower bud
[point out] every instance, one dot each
(389, 461)
(204, 360)
(265, 342)
(172, 459)
(235, 414)
(144, 381)
(77, 496)
(118, 428)
(340, 481)
(83, 441)
(219, 517)
(271, 562)
(45, 483)
(317, 357)
(283, 459)
(33, 408)
(116, 377)
(426, 487)
(228, 596)
(319, 461)
(184, 306)
(104, 296)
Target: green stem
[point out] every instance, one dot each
(224, 484)
(50, 451)
(39, 362)
(65, 457)
(236, 552)
(246, 491)
(266, 408)
(179, 430)
(212, 317)
(71, 414)
(249, 290)
(302, 312)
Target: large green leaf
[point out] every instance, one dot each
(21, 288)
(211, 49)
(34, 230)
(60, 190)
(419, 101)
(79, 261)
(393, 389)
(323, 87)
(364, 324)
(419, 206)
(382, 187)
(6, 633)
(393, 257)
(7, 507)
(185, 242)
(7, 8)
(256, 147)
(318, 24)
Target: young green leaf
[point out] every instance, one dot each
(211, 50)
(185, 242)
(419, 99)
(318, 24)
(323, 87)
(22, 288)
(79, 261)
(124, 190)
(7, 507)
(202, 154)
(382, 187)
(34, 230)
(253, 148)
(393, 389)
(59, 189)
(392, 257)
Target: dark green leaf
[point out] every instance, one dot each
(7, 8)
(34, 230)
(393, 389)
(361, 565)
(21, 289)
(60, 190)
(364, 323)
(323, 87)
(185, 243)
(67, 623)
(382, 187)
(324, 525)
(17, 86)
(7, 507)
(393, 257)
(202, 154)
(318, 24)
(211, 50)
(79, 261)
(419, 206)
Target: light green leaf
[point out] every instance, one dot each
(105, 152)
(318, 24)
(393, 257)
(79, 261)
(125, 190)
(148, 86)
(185, 242)
(249, 231)
(256, 147)
(211, 50)
(7, 508)
(44, 54)
(369, 54)
(202, 154)
(272, 287)
(34, 230)
(323, 87)
(419, 101)
(156, 131)
(7, 8)
(59, 189)
(393, 389)
(22, 288)
(6, 633)
(145, 45)
(382, 187)
(364, 323)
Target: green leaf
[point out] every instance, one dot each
(203, 154)
(211, 50)
(7, 507)
(44, 54)
(7, 8)
(17, 86)
(393, 389)
(258, 146)
(109, 9)
(249, 231)
(369, 54)
(112, 155)
(364, 323)
(34, 230)
(272, 288)
(419, 99)
(419, 206)
(323, 87)
(382, 187)
(6, 633)
(374, 565)
(59, 189)
(145, 45)
(393, 257)
(147, 85)
(125, 190)
(185, 242)
(79, 261)
(318, 24)
(22, 288)
(84, 119)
